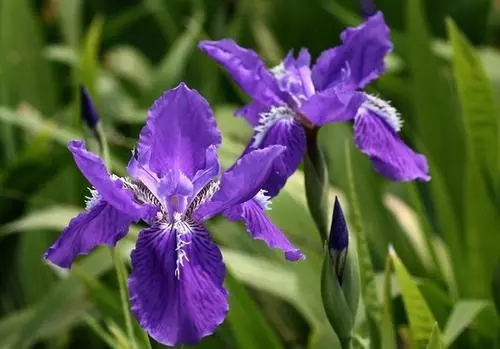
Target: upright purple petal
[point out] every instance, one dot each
(389, 155)
(304, 68)
(111, 189)
(179, 130)
(332, 105)
(289, 80)
(363, 49)
(259, 226)
(176, 285)
(142, 172)
(246, 68)
(208, 172)
(294, 78)
(243, 181)
(101, 224)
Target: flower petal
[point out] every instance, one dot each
(179, 129)
(111, 190)
(242, 181)
(252, 112)
(246, 68)
(259, 226)
(389, 155)
(332, 104)
(279, 126)
(363, 49)
(208, 172)
(102, 224)
(292, 136)
(176, 289)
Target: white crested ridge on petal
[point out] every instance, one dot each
(385, 110)
(263, 200)
(278, 71)
(93, 199)
(268, 119)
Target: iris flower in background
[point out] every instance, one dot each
(292, 99)
(175, 184)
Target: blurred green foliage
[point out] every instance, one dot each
(444, 291)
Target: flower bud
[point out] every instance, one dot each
(338, 241)
(87, 110)
(340, 279)
(367, 8)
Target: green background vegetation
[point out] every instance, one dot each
(444, 77)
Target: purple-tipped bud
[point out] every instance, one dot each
(367, 8)
(338, 240)
(339, 235)
(87, 109)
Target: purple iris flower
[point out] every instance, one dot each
(292, 99)
(175, 184)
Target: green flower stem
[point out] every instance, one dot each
(121, 274)
(345, 343)
(119, 264)
(316, 183)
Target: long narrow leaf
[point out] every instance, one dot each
(368, 289)
(418, 312)
(477, 100)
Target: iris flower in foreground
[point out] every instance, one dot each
(176, 284)
(292, 99)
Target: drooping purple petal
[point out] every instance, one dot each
(176, 289)
(246, 68)
(388, 153)
(252, 112)
(332, 105)
(101, 224)
(279, 126)
(363, 48)
(111, 189)
(291, 135)
(179, 129)
(243, 181)
(259, 226)
(339, 236)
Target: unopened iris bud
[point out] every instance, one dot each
(338, 241)
(367, 8)
(87, 109)
(340, 279)
(89, 115)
